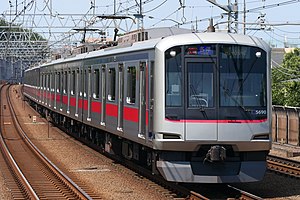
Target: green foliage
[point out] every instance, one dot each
(286, 81)
(19, 32)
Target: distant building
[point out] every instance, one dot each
(277, 55)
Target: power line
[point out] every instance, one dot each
(271, 6)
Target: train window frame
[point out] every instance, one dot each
(43, 81)
(85, 77)
(73, 84)
(246, 97)
(69, 82)
(65, 82)
(174, 99)
(112, 80)
(96, 88)
(80, 82)
(48, 82)
(58, 82)
(52, 82)
(131, 85)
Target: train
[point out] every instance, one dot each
(191, 107)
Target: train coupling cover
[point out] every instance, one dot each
(215, 154)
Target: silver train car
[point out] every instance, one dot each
(192, 107)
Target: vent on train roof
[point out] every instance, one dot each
(133, 37)
(147, 34)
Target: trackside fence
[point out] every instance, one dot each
(285, 125)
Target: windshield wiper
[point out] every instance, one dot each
(226, 91)
(199, 105)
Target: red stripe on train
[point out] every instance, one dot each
(96, 107)
(112, 110)
(220, 121)
(131, 114)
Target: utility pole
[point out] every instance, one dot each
(115, 10)
(139, 17)
(244, 26)
(232, 12)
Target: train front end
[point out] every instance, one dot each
(212, 108)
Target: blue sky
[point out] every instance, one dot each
(159, 13)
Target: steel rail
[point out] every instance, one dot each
(284, 166)
(245, 195)
(18, 175)
(81, 194)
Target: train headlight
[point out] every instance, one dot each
(173, 53)
(258, 54)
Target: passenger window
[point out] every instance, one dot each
(65, 82)
(73, 86)
(96, 83)
(111, 95)
(43, 82)
(200, 84)
(52, 81)
(48, 82)
(131, 85)
(58, 82)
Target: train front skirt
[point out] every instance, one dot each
(223, 172)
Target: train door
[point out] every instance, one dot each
(111, 93)
(87, 95)
(52, 91)
(55, 90)
(103, 95)
(131, 111)
(43, 88)
(95, 105)
(142, 101)
(73, 91)
(48, 89)
(68, 90)
(200, 101)
(77, 91)
(80, 93)
(120, 96)
(61, 92)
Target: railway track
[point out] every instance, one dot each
(30, 174)
(284, 166)
(178, 191)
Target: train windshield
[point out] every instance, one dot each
(216, 81)
(242, 76)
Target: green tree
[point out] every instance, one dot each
(20, 33)
(286, 80)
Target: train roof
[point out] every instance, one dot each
(173, 38)
(212, 38)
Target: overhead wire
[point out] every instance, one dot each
(158, 6)
(291, 32)
(291, 75)
(165, 18)
(271, 6)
